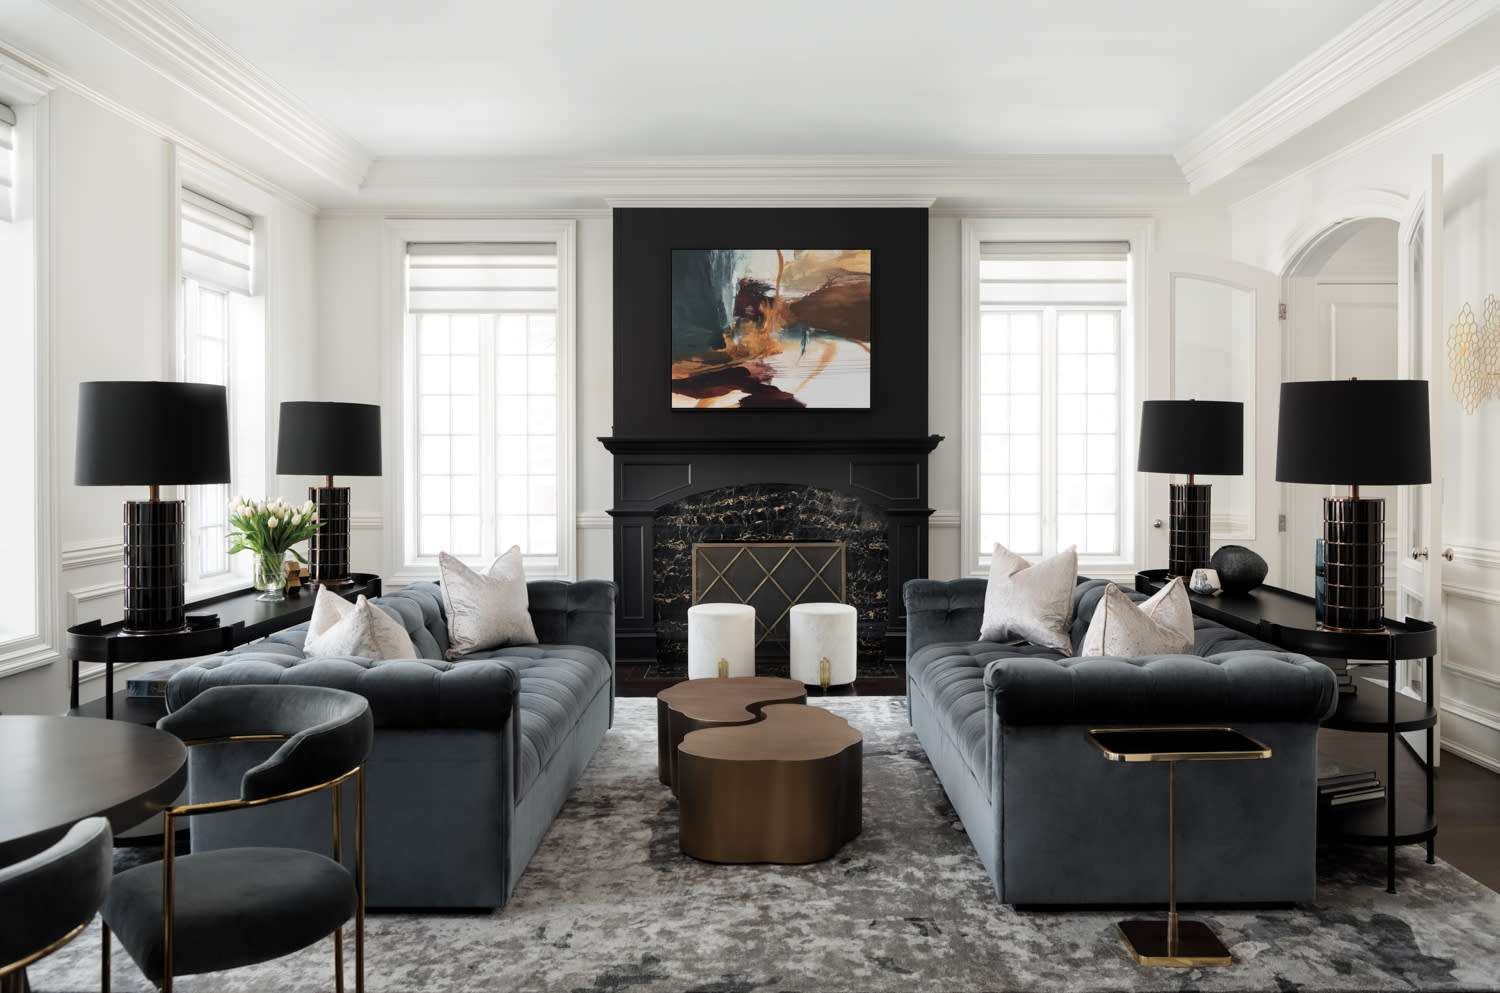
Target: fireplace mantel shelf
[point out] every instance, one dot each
(619, 445)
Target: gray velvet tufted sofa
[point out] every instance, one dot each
(1053, 821)
(472, 759)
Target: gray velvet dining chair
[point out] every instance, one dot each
(47, 899)
(217, 910)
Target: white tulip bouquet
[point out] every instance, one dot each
(270, 527)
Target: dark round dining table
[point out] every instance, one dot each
(55, 771)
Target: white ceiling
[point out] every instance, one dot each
(610, 78)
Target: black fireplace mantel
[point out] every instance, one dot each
(652, 472)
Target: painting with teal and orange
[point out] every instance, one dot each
(771, 328)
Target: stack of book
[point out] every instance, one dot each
(1340, 784)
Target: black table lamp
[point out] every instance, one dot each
(329, 439)
(1191, 436)
(152, 434)
(1353, 432)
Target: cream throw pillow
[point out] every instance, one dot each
(486, 611)
(1030, 602)
(1163, 625)
(362, 629)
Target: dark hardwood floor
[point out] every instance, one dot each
(1467, 795)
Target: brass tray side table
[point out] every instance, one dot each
(1173, 942)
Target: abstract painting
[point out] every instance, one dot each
(771, 328)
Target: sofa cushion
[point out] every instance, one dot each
(485, 610)
(1031, 602)
(1163, 624)
(339, 627)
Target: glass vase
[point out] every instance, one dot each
(270, 576)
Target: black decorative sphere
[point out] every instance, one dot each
(1240, 569)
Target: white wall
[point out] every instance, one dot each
(112, 310)
(1268, 227)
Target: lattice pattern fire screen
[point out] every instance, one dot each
(770, 576)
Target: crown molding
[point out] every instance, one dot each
(1375, 48)
(22, 81)
(761, 181)
(180, 49)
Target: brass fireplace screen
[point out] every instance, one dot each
(770, 576)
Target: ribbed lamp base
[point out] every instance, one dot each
(1188, 539)
(1353, 564)
(155, 600)
(328, 549)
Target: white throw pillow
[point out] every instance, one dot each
(362, 629)
(1030, 602)
(486, 611)
(1163, 625)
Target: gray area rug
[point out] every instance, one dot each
(610, 904)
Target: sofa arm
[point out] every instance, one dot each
(403, 693)
(1162, 689)
(942, 611)
(576, 613)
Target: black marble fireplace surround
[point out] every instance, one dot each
(769, 512)
(856, 475)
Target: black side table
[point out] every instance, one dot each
(1286, 619)
(1187, 944)
(234, 619)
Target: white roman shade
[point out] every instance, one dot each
(7, 163)
(487, 278)
(218, 244)
(1054, 273)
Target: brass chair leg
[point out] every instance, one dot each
(168, 870)
(338, 960)
(359, 880)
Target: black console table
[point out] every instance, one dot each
(1281, 617)
(238, 618)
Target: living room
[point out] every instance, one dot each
(1242, 196)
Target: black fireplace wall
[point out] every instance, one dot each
(662, 454)
(644, 240)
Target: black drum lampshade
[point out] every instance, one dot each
(152, 434)
(1192, 437)
(1354, 432)
(328, 439)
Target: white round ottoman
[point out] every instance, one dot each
(721, 631)
(823, 632)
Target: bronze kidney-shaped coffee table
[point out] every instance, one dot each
(695, 704)
(786, 789)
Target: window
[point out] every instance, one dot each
(1048, 391)
(7, 163)
(20, 620)
(488, 418)
(218, 251)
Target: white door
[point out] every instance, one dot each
(1420, 329)
(1216, 322)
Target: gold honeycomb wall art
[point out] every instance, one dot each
(1474, 355)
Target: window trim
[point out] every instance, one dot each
(400, 484)
(252, 414)
(974, 231)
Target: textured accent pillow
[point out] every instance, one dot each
(362, 629)
(1030, 602)
(1163, 625)
(486, 611)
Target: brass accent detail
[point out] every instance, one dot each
(13, 974)
(825, 673)
(1174, 943)
(786, 789)
(1474, 355)
(723, 668)
(694, 704)
(765, 584)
